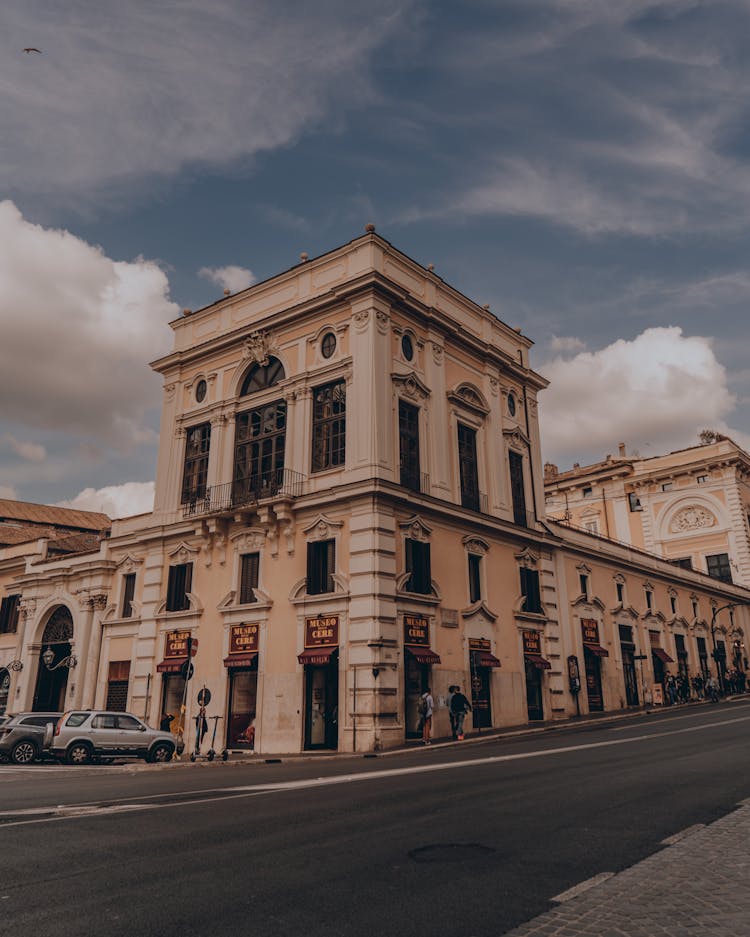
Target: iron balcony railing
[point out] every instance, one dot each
(244, 492)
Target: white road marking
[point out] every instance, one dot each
(683, 834)
(252, 790)
(581, 887)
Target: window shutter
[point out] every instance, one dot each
(330, 565)
(249, 577)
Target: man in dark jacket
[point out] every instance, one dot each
(459, 707)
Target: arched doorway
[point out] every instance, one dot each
(52, 680)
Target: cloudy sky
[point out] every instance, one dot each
(581, 165)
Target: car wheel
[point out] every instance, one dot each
(161, 752)
(24, 752)
(79, 753)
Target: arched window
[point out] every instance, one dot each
(263, 376)
(59, 628)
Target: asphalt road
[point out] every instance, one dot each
(459, 842)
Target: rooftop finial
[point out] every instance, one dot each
(303, 256)
(370, 228)
(187, 312)
(430, 267)
(227, 291)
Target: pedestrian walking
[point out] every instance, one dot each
(448, 700)
(459, 707)
(165, 723)
(426, 709)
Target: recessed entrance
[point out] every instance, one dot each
(52, 678)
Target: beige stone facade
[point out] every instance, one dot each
(349, 508)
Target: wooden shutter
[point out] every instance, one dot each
(249, 577)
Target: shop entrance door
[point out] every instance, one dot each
(628, 671)
(534, 704)
(322, 705)
(593, 681)
(417, 681)
(172, 695)
(51, 684)
(243, 694)
(481, 706)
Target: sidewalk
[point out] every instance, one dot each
(698, 886)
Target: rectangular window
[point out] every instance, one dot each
(321, 563)
(718, 567)
(649, 599)
(329, 426)
(249, 564)
(517, 489)
(673, 604)
(634, 502)
(180, 583)
(530, 590)
(684, 562)
(620, 592)
(702, 655)
(259, 443)
(592, 526)
(467, 465)
(195, 472)
(128, 593)
(667, 486)
(9, 614)
(418, 565)
(702, 479)
(587, 491)
(117, 685)
(583, 580)
(408, 440)
(475, 581)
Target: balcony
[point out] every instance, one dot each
(245, 492)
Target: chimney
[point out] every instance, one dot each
(622, 449)
(550, 470)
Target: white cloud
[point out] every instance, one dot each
(9, 492)
(229, 278)
(566, 343)
(31, 451)
(78, 331)
(115, 500)
(655, 392)
(142, 88)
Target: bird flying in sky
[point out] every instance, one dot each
(32, 49)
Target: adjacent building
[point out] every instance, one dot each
(350, 508)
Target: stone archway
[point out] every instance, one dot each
(52, 679)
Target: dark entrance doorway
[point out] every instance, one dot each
(417, 681)
(52, 678)
(322, 704)
(593, 680)
(534, 704)
(481, 662)
(629, 674)
(243, 695)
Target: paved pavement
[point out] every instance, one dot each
(695, 886)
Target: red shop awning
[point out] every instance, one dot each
(662, 655)
(596, 649)
(241, 660)
(423, 655)
(485, 659)
(538, 661)
(316, 655)
(173, 665)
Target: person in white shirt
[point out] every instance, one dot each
(428, 707)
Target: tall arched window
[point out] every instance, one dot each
(262, 376)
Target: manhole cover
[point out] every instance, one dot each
(450, 852)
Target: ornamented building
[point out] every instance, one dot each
(350, 508)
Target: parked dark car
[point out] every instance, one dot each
(23, 736)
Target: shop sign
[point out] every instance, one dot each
(175, 644)
(590, 629)
(243, 639)
(532, 643)
(479, 644)
(416, 630)
(322, 631)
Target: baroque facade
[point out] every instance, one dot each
(350, 508)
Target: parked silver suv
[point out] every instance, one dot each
(85, 735)
(22, 737)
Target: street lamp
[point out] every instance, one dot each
(49, 655)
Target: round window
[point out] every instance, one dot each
(511, 404)
(200, 391)
(328, 345)
(407, 347)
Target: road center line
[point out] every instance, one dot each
(61, 812)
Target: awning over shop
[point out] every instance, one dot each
(538, 661)
(241, 660)
(595, 649)
(423, 655)
(662, 655)
(485, 659)
(316, 655)
(174, 665)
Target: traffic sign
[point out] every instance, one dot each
(204, 696)
(187, 670)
